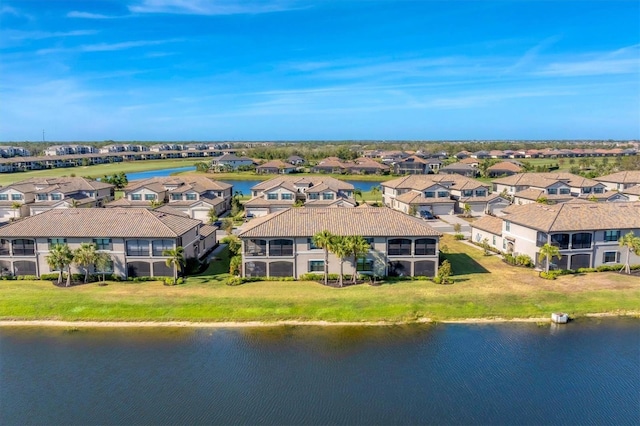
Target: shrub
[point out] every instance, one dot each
(552, 275)
(459, 236)
(26, 277)
(233, 281)
(437, 280)
(49, 277)
(524, 260)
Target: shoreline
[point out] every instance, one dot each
(266, 324)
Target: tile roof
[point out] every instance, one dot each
(490, 224)
(301, 222)
(415, 197)
(314, 180)
(632, 176)
(543, 180)
(115, 223)
(505, 165)
(634, 190)
(188, 179)
(535, 194)
(577, 216)
(420, 182)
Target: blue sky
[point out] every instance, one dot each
(323, 69)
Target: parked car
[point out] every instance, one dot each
(248, 217)
(425, 214)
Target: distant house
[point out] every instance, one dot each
(330, 165)
(621, 180)
(295, 160)
(460, 169)
(364, 165)
(413, 165)
(230, 162)
(504, 168)
(275, 167)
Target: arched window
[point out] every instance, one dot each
(255, 247)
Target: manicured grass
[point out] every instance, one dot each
(484, 287)
(99, 170)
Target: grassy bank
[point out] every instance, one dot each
(484, 287)
(99, 170)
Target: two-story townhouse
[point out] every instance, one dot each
(621, 180)
(36, 195)
(551, 183)
(281, 244)
(192, 195)
(134, 239)
(461, 168)
(434, 198)
(413, 165)
(330, 165)
(230, 162)
(283, 192)
(586, 233)
(14, 151)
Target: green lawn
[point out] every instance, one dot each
(484, 287)
(99, 170)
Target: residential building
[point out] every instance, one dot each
(366, 166)
(414, 165)
(37, 195)
(461, 169)
(621, 180)
(192, 195)
(133, 238)
(296, 160)
(230, 162)
(281, 244)
(330, 165)
(14, 151)
(586, 233)
(504, 168)
(283, 192)
(551, 183)
(275, 167)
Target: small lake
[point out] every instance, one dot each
(158, 173)
(585, 372)
(246, 185)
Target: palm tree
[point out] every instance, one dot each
(60, 257)
(74, 203)
(357, 192)
(227, 225)
(323, 240)
(155, 203)
(102, 262)
(340, 247)
(632, 243)
(375, 191)
(84, 256)
(212, 215)
(358, 246)
(175, 259)
(16, 207)
(548, 252)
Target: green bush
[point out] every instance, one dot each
(26, 277)
(459, 236)
(524, 260)
(49, 277)
(233, 281)
(552, 275)
(437, 280)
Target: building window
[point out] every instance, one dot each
(586, 190)
(552, 191)
(4, 247)
(312, 245)
(611, 257)
(507, 226)
(481, 193)
(313, 196)
(598, 190)
(467, 193)
(272, 196)
(287, 196)
(136, 197)
(581, 240)
(281, 247)
(41, 197)
(316, 266)
(494, 240)
(327, 195)
(16, 197)
(369, 241)
(429, 194)
(612, 235)
(56, 241)
(161, 245)
(255, 248)
(364, 265)
(565, 191)
(425, 247)
(560, 240)
(56, 197)
(149, 197)
(191, 196)
(176, 197)
(399, 247)
(137, 248)
(103, 243)
(443, 194)
(541, 239)
(23, 247)
(5, 197)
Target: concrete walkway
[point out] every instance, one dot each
(446, 222)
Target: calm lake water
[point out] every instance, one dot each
(586, 372)
(245, 185)
(158, 173)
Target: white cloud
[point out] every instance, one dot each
(39, 35)
(106, 47)
(89, 15)
(209, 7)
